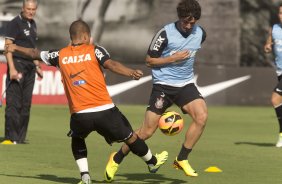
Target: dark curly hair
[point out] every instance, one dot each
(189, 8)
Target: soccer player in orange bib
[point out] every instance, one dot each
(90, 104)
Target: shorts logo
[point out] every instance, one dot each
(159, 103)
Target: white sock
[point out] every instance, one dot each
(82, 165)
(148, 156)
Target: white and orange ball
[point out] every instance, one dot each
(171, 123)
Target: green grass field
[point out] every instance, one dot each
(238, 140)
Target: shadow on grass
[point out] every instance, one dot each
(52, 178)
(146, 179)
(128, 178)
(46, 177)
(256, 144)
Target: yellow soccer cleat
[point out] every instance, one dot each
(161, 159)
(111, 168)
(185, 166)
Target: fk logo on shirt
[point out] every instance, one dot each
(158, 43)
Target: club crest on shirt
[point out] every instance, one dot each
(159, 103)
(26, 32)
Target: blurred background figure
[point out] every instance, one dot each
(274, 42)
(21, 71)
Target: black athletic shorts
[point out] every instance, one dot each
(111, 124)
(162, 97)
(278, 87)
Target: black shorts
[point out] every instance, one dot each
(162, 97)
(111, 124)
(278, 87)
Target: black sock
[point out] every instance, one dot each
(183, 154)
(119, 156)
(152, 161)
(278, 111)
(140, 148)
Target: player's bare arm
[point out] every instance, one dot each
(177, 56)
(39, 71)
(14, 75)
(33, 53)
(268, 44)
(119, 68)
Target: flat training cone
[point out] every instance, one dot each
(213, 169)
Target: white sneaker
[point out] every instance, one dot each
(85, 179)
(279, 142)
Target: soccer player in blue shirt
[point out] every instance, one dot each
(274, 41)
(171, 56)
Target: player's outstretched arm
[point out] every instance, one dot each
(121, 69)
(268, 44)
(32, 53)
(177, 56)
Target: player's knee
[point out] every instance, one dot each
(148, 129)
(201, 119)
(146, 134)
(131, 139)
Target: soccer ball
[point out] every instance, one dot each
(170, 123)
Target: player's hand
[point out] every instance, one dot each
(39, 72)
(268, 48)
(181, 55)
(10, 48)
(15, 75)
(136, 74)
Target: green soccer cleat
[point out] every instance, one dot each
(161, 159)
(185, 166)
(111, 168)
(85, 179)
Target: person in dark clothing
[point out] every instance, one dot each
(20, 74)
